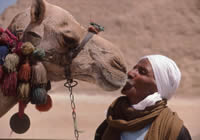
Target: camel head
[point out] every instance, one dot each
(56, 31)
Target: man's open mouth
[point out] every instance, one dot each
(127, 86)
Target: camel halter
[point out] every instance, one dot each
(70, 83)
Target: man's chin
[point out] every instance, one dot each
(126, 91)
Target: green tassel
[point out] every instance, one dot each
(38, 96)
(39, 54)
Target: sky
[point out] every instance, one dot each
(5, 3)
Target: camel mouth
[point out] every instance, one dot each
(100, 81)
(109, 84)
(84, 77)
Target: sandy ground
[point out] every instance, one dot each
(58, 124)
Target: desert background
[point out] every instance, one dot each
(138, 28)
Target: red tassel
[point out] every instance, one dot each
(25, 72)
(9, 85)
(22, 106)
(1, 72)
(45, 107)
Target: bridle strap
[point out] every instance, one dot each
(77, 50)
(74, 52)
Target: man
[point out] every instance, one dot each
(142, 114)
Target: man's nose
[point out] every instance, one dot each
(132, 74)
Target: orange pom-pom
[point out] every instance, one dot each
(24, 72)
(45, 107)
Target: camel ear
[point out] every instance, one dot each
(38, 9)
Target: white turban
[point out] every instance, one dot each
(167, 76)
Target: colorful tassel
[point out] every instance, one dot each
(45, 107)
(3, 53)
(9, 85)
(1, 72)
(24, 73)
(23, 91)
(11, 62)
(27, 48)
(39, 74)
(39, 54)
(38, 96)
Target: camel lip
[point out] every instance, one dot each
(109, 86)
(84, 77)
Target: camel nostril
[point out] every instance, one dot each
(116, 62)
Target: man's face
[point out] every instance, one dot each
(141, 81)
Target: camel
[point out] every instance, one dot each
(55, 30)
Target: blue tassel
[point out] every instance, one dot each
(38, 96)
(3, 52)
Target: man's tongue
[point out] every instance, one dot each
(127, 86)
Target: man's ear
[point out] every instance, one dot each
(38, 9)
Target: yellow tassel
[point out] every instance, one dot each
(27, 48)
(24, 91)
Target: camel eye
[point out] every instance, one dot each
(116, 62)
(67, 41)
(33, 34)
(32, 37)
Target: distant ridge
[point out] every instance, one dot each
(5, 3)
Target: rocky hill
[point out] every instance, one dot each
(168, 27)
